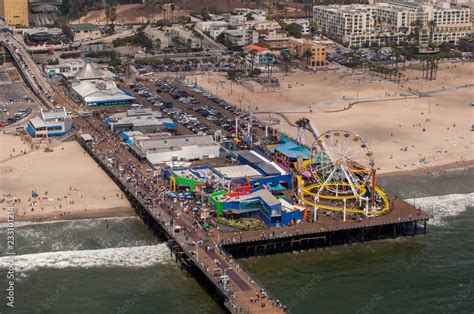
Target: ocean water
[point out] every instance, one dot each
(118, 266)
(98, 266)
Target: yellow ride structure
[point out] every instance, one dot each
(316, 200)
(342, 169)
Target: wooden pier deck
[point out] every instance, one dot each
(209, 256)
(195, 249)
(208, 252)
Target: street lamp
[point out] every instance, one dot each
(197, 249)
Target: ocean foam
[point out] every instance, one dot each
(440, 207)
(139, 256)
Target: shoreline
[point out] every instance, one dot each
(448, 167)
(25, 223)
(114, 212)
(127, 212)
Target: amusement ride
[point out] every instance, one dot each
(339, 175)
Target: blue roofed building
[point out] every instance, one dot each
(289, 151)
(98, 93)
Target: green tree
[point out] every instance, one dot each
(295, 30)
(68, 32)
(163, 23)
(205, 14)
(256, 72)
(313, 27)
(184, 19)
(224, 40)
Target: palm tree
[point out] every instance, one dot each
(287, 62)
(307, 56)
(253, 53)
(172, 7)
(111, 13)
(431, 25)
(269, 63)
(307, 10)
(302, 122)
(417, 25)
(397, 56)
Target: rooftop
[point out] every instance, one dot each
(154, 145)
(100, 91)
(84, 27)
(265, 195)
(89, 72)
(136, 113)
(202, 173)
(234, 32)
(291, 150)
(249, 48)
(239, 171)
(49, 115)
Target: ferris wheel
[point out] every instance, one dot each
(341, 158)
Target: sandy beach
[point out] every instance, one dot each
(404, 131)
(67, 183)
(12, 146)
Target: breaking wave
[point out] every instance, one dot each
(441, 207)
(140, 256)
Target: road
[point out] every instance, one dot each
(106, 39)
(30, 70)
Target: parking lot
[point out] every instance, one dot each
(16, 101)
(4, 78)
(192, 109)
(350, 58)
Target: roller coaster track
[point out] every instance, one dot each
(309, 127)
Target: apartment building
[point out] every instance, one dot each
(298, 46)
(391, 23)
(241, 37)
(276, 43)
(259, 56)
(439, 23)
(343, 21)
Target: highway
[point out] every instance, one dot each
(29, 69)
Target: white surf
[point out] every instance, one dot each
(441, 207)
(140, 256)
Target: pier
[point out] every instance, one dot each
(202, 255)
(210, 258)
